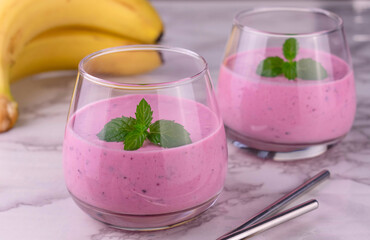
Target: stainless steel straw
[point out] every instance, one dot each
(273, 221)
(286, 199)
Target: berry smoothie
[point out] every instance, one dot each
(151, 180)
(281, 111)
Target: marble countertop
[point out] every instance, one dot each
(35, 205)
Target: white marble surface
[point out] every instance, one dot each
(35, 205)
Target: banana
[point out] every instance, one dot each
(122, 64)
(62, 49)
(22, 21)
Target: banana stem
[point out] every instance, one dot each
(8, 107)
(8, 113)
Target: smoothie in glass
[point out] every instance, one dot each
(282, 111)
(151, 180)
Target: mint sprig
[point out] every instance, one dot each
(290, 70)
(144, 114)
(134, 140)
(305, 69)
(290, 49)
(168, 133)
(117, 129)
(133, 132)
(309, 69)
(271, 67)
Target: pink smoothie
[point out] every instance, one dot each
(151, 180)
(276, 110)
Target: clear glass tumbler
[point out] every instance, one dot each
(286, 86)
(145, 146)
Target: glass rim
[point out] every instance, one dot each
(337, 19)
(141, 47)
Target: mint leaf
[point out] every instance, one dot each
(290, 70)
(140, 127)
(309, 69)
(133, 132)
(134, 140)
(168, 134)
(306, 69)
(270, 67)
(117, 129)
(144, 114)
(290, 48)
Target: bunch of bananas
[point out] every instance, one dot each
(44, 35)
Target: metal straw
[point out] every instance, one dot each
(283, 201)
(273, 221)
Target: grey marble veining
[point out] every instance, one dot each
(35, 205)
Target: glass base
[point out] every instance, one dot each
(144, 222)
(280, 152)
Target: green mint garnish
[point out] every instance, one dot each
(270, 67)
(144, 114)
(168, 133)
(133, 132)
(308, 69)
(134, 140)
(305, 69)
(290, 70)
(117, 129)
(290, 49)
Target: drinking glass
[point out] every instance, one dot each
(286, 87)
(164, 182)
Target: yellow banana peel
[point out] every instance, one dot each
(122, 64)
(61, 49)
